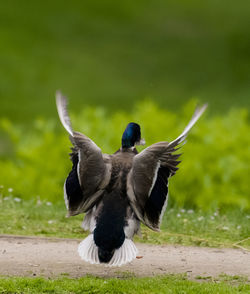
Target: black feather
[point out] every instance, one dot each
(109, 233)
(73, 188)
(157, 198)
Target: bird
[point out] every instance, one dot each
(119, 191)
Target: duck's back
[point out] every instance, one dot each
(114, 209)
(121, 163)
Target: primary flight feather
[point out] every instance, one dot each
(118, 191)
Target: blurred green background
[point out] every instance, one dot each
(114, 53)
(112, 56)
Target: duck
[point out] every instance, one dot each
(117, 192)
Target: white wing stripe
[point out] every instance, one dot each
(65, 196)
(155, 177)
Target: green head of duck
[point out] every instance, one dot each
(132, 136)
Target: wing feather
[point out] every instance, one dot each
(61, 103)
(90, 172)
(149, 176)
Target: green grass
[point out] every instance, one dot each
(186, 227)
(164, 284)
(110, 53)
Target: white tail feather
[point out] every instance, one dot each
(89, 221)
(88, 251)
(61, 103)
(126, 253)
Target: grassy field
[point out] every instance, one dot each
(114, 54)
(165, 284)
(179, 226)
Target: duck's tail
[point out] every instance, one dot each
(88, 251)
(126, 253)
(61, 103)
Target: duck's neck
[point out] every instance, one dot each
(124, 148)
(127, 141)
(126, 145)
(131, 149)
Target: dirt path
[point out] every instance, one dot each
(31, 256)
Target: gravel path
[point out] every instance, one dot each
(50, 257)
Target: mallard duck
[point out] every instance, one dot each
(119, 191)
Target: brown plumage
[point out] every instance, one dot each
(118, 191)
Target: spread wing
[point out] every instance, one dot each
(90, 171)
(148, 179)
